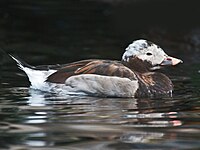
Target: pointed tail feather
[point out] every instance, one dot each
(37, 77)
(21, 64)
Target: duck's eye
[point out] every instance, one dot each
(148, 54)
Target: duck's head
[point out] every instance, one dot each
(143, 56)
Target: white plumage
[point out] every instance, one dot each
(37, 78)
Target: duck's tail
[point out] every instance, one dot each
(20, 63)
(36, 77)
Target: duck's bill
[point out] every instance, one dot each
(171, 61)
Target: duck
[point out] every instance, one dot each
(135, 75)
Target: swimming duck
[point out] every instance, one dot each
(134, 76)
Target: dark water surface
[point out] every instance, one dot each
(50, 32)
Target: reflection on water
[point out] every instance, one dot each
(32, 118)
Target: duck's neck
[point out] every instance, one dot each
(137, 65)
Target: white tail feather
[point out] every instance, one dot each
(37, 78)
(19, 63)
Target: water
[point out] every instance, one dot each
(33, 119)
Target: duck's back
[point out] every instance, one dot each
(99, 67)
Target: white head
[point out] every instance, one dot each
(147, 51)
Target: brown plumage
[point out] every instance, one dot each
(100, 67)
(151, 83)
(135, 75)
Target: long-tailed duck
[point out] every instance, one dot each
(133, 76)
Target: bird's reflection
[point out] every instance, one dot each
(126, 120)
(133, 112)
(36, 98)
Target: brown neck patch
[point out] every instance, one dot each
(138, 65)
(153, 83)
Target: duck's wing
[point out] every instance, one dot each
(100, 67)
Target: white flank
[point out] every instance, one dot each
(108, 86)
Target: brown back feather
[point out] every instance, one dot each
(100, 67)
